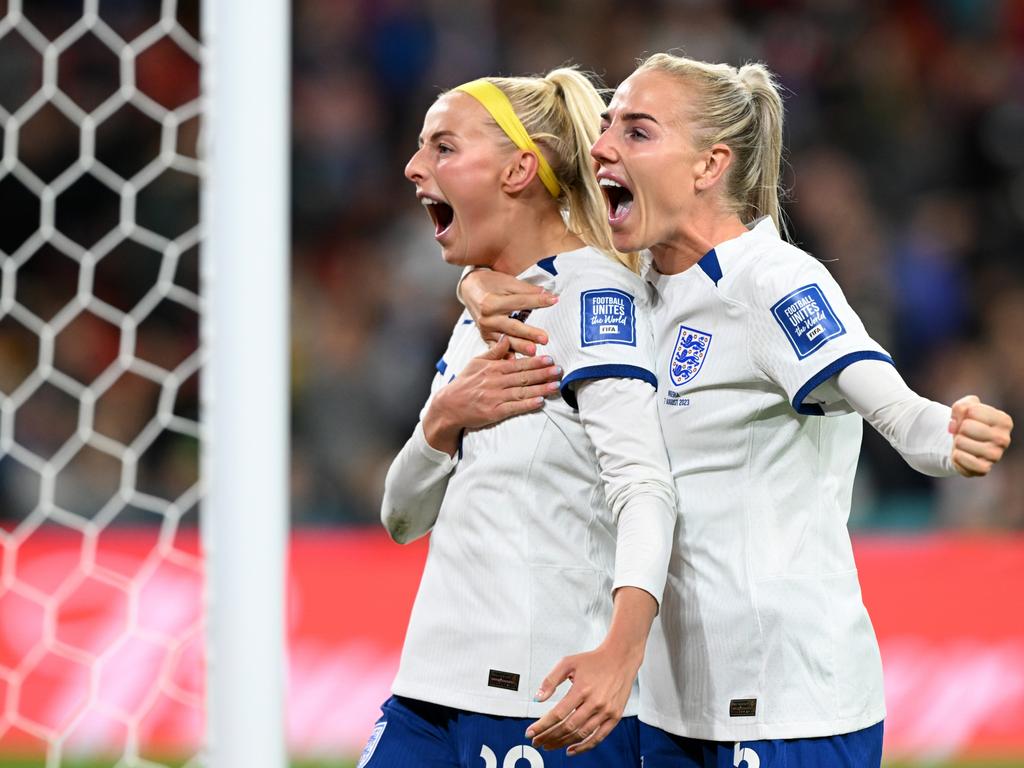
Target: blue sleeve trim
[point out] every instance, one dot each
(827, 373)
(709, 263)
(548, 265)
(441, 366)
(608, 371)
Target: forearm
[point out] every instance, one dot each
(414, 489)
(918, 428)
(620, 417)
(632, 616)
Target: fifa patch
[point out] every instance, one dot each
(688, 355)
(807, 319)
(607, 316)
(371, 745)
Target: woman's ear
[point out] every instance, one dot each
(519, 172)
(716, 162)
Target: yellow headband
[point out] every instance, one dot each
(496, 102)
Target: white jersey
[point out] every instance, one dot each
(762, 633)
(521, 566)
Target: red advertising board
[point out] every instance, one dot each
(102, 640)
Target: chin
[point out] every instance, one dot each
(626, 243)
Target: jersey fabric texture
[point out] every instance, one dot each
(519, 571)
(414, 734)
(762, 633)
(860, 749)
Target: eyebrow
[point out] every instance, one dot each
(435, 136)
(632, 116)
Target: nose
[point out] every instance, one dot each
(604, 150)
(414, 170)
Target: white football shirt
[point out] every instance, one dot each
(762, 633)
(521, 565)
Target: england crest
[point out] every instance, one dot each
(688, 355)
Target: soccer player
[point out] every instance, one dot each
(763, 654)
(551, 530)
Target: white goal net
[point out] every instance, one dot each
(101, 621)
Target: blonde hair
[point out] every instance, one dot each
(741, 108)
(562, 113)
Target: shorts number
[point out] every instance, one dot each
(745, 753)
(512, 757)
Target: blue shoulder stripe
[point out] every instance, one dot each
(607, 371)
(827, 373)
(441, 366)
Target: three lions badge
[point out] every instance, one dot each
(688, 356)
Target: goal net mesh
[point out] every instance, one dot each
(101, 621)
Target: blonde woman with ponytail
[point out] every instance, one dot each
(550, 525)
(763, 653)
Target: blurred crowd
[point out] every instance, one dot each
(905, 171)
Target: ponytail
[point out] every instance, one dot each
(586, 204)
(562, 114)
(765, 158)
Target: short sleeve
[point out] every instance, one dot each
(601, 328)
(803, 332)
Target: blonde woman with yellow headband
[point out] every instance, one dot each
(550, 509)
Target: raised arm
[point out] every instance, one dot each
(620, 418)
(491, 388)
(934, 439)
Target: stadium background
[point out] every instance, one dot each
(905, 136)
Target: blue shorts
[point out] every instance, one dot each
(415, 734)
(860, 749)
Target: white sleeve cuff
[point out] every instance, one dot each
(644, 545)
(431, 454)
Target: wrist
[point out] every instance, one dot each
(628, 647)
(440, 430)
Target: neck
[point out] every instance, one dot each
(536, 233)
(697, 235)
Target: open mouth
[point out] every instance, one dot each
(620, 200)
(440, 213)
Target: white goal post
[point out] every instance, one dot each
(246, 78)
(144, 377)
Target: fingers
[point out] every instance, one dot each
(517, 328)
(522, 347)
(527, 297)
(526, 376)
(969, 465)
(959, 411)
(582, 729)
(524, 399)
(593, 735)
(985, 448)
(981, 434)
(499, 351)
(558, 728)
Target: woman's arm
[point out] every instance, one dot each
(491, 388)
(620, 418)
(933, 438)
(414, 488)
(499, 303)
